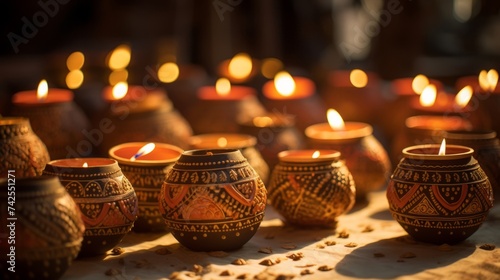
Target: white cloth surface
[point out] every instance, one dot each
(386, 252)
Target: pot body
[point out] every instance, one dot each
(21, 149)
(44, 230)
(105, 197)
(312, 193)
(439, 201)
(213, 200)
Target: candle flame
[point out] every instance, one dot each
(240, 66)
(262, 121)
(223, 87)
(116, 76)
(74, 79)
(168, 72)
(85, 165)
(271, 66)
(144, 150)
(419, 83)
(222, 142)
(463, 96)
(442, 148)
(335, 120)
(358, 78)
(120, 90)
(428, 96)
(119, 57)
(492, 78)
(42, 91)
(488, 80)
(316, 154)
(284, 83)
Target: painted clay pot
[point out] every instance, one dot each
(439, 198)
(364, 155)
(146, 174)
(45, 224)
(244, 143)
(105, 197)
(60, 125)
(213, 200)
(21, 149)
(310, 189)
(486, 147)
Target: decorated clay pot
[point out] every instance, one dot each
(311, 188)
(213, 200)
(146, 174)
(143, 115)
(364, 155)
(42, 229)
(486, 147)
(105, 197)
(21, 149)
(439, 198)
(244, 143)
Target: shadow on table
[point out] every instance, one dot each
(395, 257)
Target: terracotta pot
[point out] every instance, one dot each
(439, 198)
(105, 197)
(59, 125)
(144, 116)
(486, 147)
(44, 229)
(21, 149)
(311, 190)
(274, 133)
(213, 200)
(364, 155)
(146, 174)
(244, 143)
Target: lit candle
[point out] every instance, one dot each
(143, 153)
(308, 156)
(284, 86)
(135, 98)
(337, 129)
(42, 96)
(432, 101)
(223, 90)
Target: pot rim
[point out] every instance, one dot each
(306, 156)
(323, 133)
(457, 152)
(144, 162)
(13, 121)
(471, 135)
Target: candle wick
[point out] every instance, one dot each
(134, 157)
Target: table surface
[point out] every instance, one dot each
(382, 250)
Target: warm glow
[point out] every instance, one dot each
(146, 149)
(85, 164)
(419, 83)
(240, 66)
(488, 79)
(358, 78)
(117, 76)
(262, 121)
(463, 96)
(168, 72)
(284, 83)
(442, 149)
(120, 90)
(75, 61)
(42, 91)
(222, 142)
(316, 154)
(428, 96)
(119, 57)
(74, 79)
(492, 78)
(223, 86)
(335, 120)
